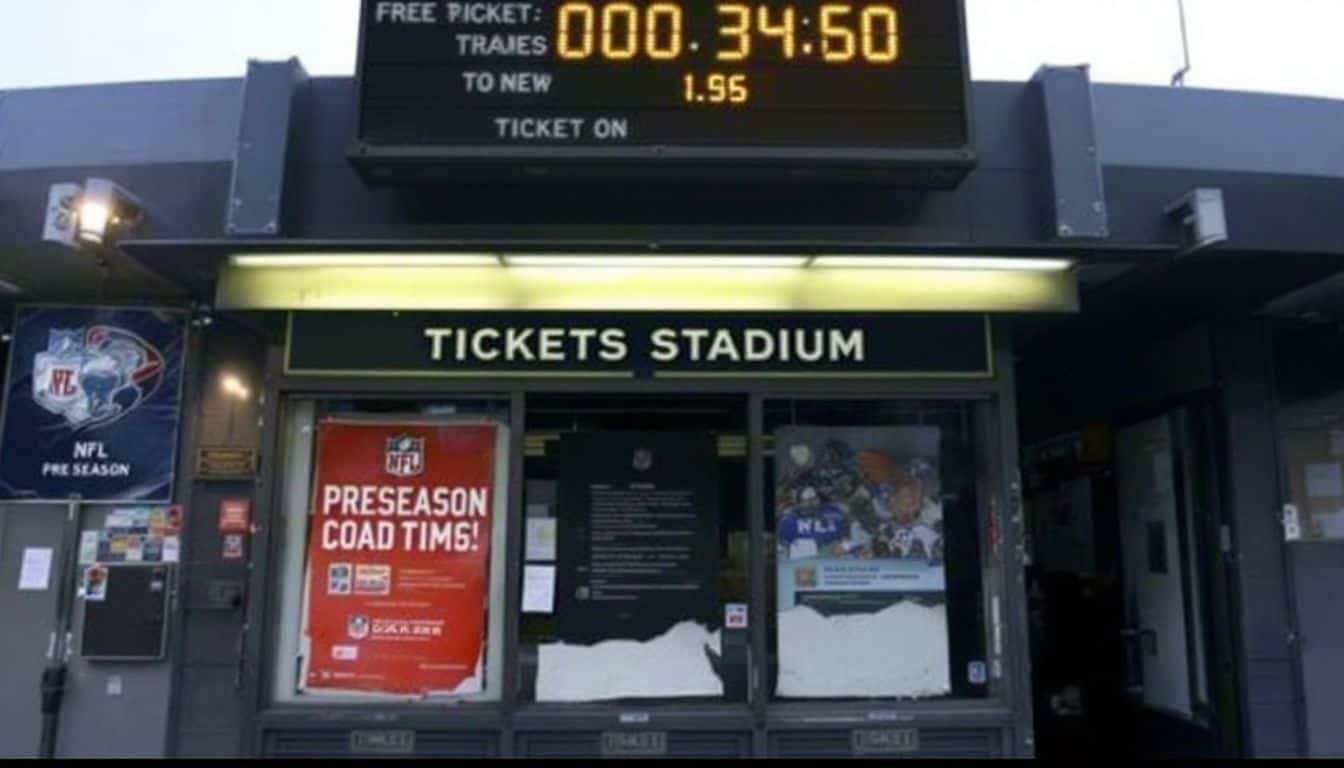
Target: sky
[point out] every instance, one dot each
(1286, 46)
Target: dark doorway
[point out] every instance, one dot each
(1125, 588)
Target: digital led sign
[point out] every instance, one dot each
(798, 81)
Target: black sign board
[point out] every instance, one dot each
(126, 618)
(666, 345)
(637, 534)
(793, 84)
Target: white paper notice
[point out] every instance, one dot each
(539, 589)
(1330, 525)
(1325, 481)
(88, 547)
(172, 549)
(35, 572)
(541, 539)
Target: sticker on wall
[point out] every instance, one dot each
(95, 583)
(137, 534)
(172, 549)
(977, 673)
(233, 547)
(735, 616)
(235, 515)
(88, 547)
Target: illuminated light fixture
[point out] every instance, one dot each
(597, 261)
(357, 260)
(234, 387)
(9, 287)
(615, 283)
(103, 211)
(987, 264)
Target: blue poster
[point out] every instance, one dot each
(92, 404)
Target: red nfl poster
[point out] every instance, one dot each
(398, 558)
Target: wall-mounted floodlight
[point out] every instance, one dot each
(94, 214)
(234, 388)
(105, 211)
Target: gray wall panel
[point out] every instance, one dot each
(121, 124)
(1193, 128)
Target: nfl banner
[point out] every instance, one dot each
(92, 404)
(399, 550)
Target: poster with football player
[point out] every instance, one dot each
(859, 537)
(402, 536)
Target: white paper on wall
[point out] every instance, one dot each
(35, 570)
(673, 665)
(541, 534)
(539, 589)
(1325, 481)
(900, 652)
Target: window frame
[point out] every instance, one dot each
(1008, 706)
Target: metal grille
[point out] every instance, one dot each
(932, 743)
(309, 743)
(679, 744)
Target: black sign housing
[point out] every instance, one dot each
(639, 344)
(871, 89)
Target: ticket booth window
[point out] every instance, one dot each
(876, 577)
(637, 546)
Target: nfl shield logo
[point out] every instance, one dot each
(405, 456)
(357, 627)
(95, 376)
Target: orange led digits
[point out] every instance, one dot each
(719, 89)
(881, 34)
(620, 47)
(572, 17)
(785, 30)
(837, 40)
(664, 22)
(834, 33)
(741, 30)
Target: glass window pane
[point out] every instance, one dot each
(878, 587)
(1309, 375)
(637, 520)
(392, 544)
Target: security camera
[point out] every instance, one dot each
(1203, 219)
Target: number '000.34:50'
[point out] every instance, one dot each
(833, 33)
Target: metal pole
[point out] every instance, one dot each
(53, 677)
(1178, 80)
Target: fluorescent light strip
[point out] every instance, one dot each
(616, 262)
(599, 261)
(367, 260)
(980, 263)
